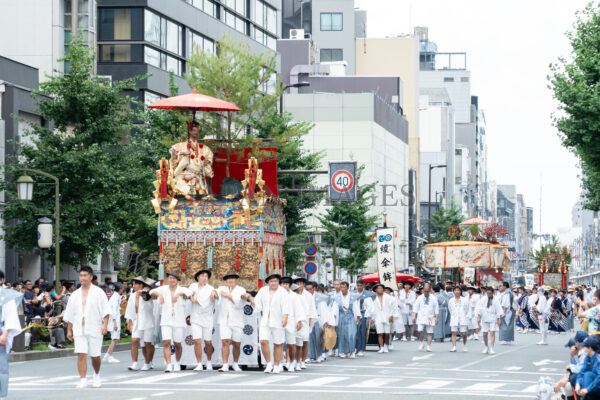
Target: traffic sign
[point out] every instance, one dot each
(342, 181)
(311, 249)
(310, 268)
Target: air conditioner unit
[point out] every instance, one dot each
(296, 34)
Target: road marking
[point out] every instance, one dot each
(270, 380)
(161, 394)
(486, 359)
(483, 387)
(24, 378)
(515, 368)
(212, 378)
(546, 361)
(137, 398)
(548, 369)
(155, 379)
(376, 382)
(430, 384)
(321, 381)
(530, 389)
(425, 357)
(383, 363)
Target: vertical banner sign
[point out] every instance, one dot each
(386, 261)
(342, 181)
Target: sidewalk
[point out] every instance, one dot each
(32, 355)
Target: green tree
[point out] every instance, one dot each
(237, 75)
(442, 220)
(347, 226)
(291, 156)
(100, 189)
(575, 82)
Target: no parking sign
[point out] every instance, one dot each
(342, 181)
(310, 268)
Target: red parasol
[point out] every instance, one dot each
(475, 221)
(399, 277)
(194, 102)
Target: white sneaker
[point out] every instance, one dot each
(298, 367)
(291, 366)
(380, 350)
(177, 367)
(390, 346)
(106, 356)
(428, 349)
(421, 346)
(303, 365)
(169, 368)
(269, 368)
(209, 366)
(277, 369)
(224, 368)
(199, 367)
(465, 350)
(413, 339)
(236, 367)
(352, 355)
(146, 367)
(453, 349)
(359, 354)
(151, 365)
(342, 355)
(321, 359)
(491, 352)
(470, 337)
(82, 383)
(96, 382)
(386, 348)
(485, 351)
(542, 343)
(403, 339)
(134, 367)
(336, 353)
(112, 360)
(476, 337)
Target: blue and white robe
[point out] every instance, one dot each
(348, 311)
(364, 300)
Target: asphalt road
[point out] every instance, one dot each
(512, 372)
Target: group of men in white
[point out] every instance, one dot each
(292, 314)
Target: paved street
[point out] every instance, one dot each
(511, 373)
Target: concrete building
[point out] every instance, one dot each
(355, 118)
(585, 247)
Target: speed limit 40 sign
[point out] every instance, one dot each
(342, 181)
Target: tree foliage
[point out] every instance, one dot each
(575, 83)
(237, 75)
(442, 220)
(347, 227)
(291, 156)
(100, 189)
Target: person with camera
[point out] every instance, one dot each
(140, 323)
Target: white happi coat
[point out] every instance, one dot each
(231, 313)
(384, 308)
(459, 310)
(143, 318)
(115, 311)
(172, 314)
(273, 306)
(406, 301)
(96, 308)
(202, 313)
(489, 314)
(426, 312)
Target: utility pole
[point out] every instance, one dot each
(431, 167)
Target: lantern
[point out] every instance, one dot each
(25, 187)
(44, 233)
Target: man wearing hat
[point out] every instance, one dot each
(348, 317)
(406, 300)
(295, 318)
(588, 380)
(272, 303)
(365, 303)
(310, 310)
(382, 312)
(140, 322)
(506, 334)
(201, 317)
(231, 318)
(172, 317)
(302, 327)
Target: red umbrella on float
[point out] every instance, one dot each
(475, 221)
(374, 277)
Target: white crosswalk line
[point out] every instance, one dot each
(383, 363)
(320, 381)
(160, 378)
(513, 368)
(530, 389)
(161, 394)
(210, 379)
(271, 379)
(429, 384)
(483, 387)
(24, 378)
(375, 382)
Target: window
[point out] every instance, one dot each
(121, 24)
(162, 60)
(328, 55)
(205, 5)
(195, 40)
(259, 13)
(120, 53)
(332, 22)
(464, 79)
(448, 79)
(271, 19)
(163, 33)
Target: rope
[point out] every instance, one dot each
(32, 325)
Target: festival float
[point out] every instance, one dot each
(218, 209)
(481, 261)
(552, 263)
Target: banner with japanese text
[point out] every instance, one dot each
(386, 261)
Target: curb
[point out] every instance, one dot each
(58, 353)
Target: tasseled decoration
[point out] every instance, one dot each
(183, 254)
(204, 241)
(261, 271)
(209, 261)
(260, 250)
(267, 265)
(285, 232)
(223, 241)
(161, 271)
(233, 242)
(214, 240)
(242, 242)
(274, 261)
(261, 231)
(237, 260)
(281, 263)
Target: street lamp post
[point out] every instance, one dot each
(25, 192)
(295, 85)
(429, 203)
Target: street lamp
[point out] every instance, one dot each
(295, 85)
(429, 203)
(25, 193)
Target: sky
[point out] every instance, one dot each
(509, 46)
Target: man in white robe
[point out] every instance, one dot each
(202, 318)
(426, 313)
(139, 315)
